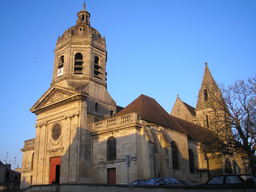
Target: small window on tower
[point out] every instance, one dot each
(205, 95)
(60, 67)
(61, 61)
(97, 68)
(78, 68)
(207, 121)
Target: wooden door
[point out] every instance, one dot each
(54, 169)
(112, 176)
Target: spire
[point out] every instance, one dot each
(208, 80)
(84, 5)
(208, 85)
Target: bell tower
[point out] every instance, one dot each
(80, 55)
(78, 97)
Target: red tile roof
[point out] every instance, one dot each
(149, 110)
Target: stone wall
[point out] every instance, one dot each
(124, 188)
(181, 111)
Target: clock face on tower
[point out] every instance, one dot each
(60, 71)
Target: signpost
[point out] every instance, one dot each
(128, 160)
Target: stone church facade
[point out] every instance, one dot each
(82, 136)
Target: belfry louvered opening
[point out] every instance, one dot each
(78, 68)
(97, 68)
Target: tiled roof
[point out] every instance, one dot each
(149, 110)
(190, 108)
(195, 132)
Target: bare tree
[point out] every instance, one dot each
(233, 120)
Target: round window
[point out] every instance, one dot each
(56, 131)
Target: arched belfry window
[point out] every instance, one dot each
(205, 95)
(78, 68)
(97, 68)
(175, 156)
(111, 149)
(191, 161)
(228, 168)
(61, 61)
(87, 19)
(60, 66)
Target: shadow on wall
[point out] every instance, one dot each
(162, 158)
(77, 165)
(79, 152)
(24, 183)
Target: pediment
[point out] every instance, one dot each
(55, 96)
(51, 97)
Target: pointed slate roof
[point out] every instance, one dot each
(150, 110)
(208, 76)
(207, 83)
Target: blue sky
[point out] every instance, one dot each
(155, 47)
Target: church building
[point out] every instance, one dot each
(82, 136)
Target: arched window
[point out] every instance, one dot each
(205, 95)
(97, 68)
(191, 161)
(61, 61)
(175, 156)
(32, 161)
(111, 149)
(228, 168)
(60, 66)
(78, 68)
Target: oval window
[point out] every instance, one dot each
(56, 131)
